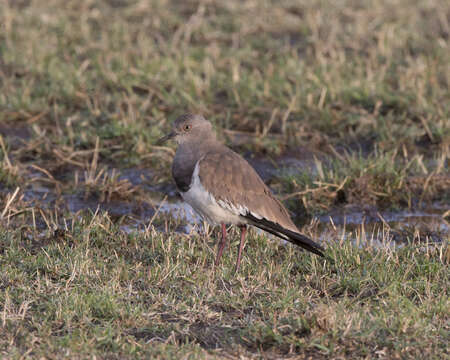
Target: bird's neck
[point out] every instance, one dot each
(191, 151)
(186, 157)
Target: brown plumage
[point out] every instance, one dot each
(229, 177)
(223, 187)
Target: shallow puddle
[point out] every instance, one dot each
(156, 204)
(390, 226)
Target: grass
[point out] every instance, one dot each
(357, 92)
(93, 290)
(383, 179)
(296, 79)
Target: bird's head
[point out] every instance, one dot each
(189, 128)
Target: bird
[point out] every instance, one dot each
(224, 189)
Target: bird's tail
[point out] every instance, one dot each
(283, 233)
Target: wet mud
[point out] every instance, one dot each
(155, 202)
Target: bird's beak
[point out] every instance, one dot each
(165, 138)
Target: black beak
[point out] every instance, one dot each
(165, 138)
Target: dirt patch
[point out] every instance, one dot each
(17, 135)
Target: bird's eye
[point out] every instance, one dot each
(187, 127)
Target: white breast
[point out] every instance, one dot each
(204, 203)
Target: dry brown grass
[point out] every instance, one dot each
(87, 87)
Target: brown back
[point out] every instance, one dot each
(230, 178)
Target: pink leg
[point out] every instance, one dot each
(222, 244)
(241, 246)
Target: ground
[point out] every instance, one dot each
(342, 107)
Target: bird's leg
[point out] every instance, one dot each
(222, 244)
(241, 246)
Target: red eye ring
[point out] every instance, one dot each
(187, 127)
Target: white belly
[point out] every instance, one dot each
(204, 203)
(208, 208)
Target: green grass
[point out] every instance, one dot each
(382, 179)
(325, 74)
(359, 89)
(94, 290)
(120, 77)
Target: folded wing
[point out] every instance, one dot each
(237, 187)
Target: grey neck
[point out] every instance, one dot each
(186, 157)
